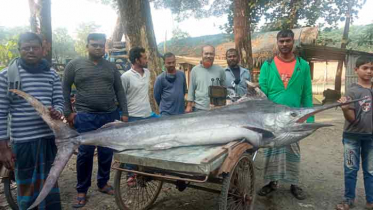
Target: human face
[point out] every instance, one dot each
(232, 59)
(208, 55)
(96, 48)
(31, 52)
(143, 61)
(170, 63)
(285, 45)
(365, 72)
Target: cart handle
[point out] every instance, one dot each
(161, 176)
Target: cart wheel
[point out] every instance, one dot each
(139, 195)
(238, 186)
(10, 191)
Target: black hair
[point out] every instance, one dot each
(96, 36)
(231, 50)
(364, 59)
(29, 36)
(285, 33)
(135, 53)
(167, 55)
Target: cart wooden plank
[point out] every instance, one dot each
(182, 159)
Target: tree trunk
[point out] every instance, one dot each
(242, 32)
(338, 75)
(137, 22)
(118, 31)
(293, 17)
(40, 21)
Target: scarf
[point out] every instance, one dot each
(42, 66)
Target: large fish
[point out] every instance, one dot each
(261, 122)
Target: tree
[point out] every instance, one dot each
(138, 28)
(366, 38)
(63, 45)
(242, 32)
(40, 21)
(338, 75)
(118, 31)
(178, 34)
(298, 13)
(8, 50)
(9, 44)
(81, 37)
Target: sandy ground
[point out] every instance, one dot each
(321, 178)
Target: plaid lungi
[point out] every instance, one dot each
(34, 159)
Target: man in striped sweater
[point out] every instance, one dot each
(33, 146)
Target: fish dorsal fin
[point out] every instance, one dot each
(111, 124)
(265, 133)
(253, 93)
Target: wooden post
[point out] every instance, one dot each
(338, 76)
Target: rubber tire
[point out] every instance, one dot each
(223, 199)
(118, 195)
(8, 193)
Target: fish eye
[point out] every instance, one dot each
(293, 114)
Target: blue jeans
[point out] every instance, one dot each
(353, 149)
(85, 122)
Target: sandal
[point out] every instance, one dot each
(369, 206)
(107, 189)
(267, 189)
(345, 205)
(80, 201)
(297, 192)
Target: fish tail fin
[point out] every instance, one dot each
(61, 130)
(64, 152)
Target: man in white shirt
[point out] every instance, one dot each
(136, 84)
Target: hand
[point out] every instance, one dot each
(124, 119)
(189, 109)
(6, 156)
(344, 100)
(70, 119)
(56, 115)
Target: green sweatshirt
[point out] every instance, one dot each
(299, 90)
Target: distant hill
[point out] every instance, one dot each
(192, 46)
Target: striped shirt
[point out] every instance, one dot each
(25, 123)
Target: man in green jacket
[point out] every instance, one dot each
(286, 80)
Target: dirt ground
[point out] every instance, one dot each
(321, 178)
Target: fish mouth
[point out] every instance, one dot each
(305, 113)
(302, 127)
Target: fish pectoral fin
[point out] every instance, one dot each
(111, 124)
(265, 133)
(163, 145)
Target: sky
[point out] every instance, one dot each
(70, 13)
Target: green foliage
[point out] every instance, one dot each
(366, 37)
(184, 8)
(307, 12)
(9, 44)
(82, 32)
(8, 51)
(333, 38)
(112, 3)
(63, 45)
(178, 34)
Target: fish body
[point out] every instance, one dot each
(257, 120)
